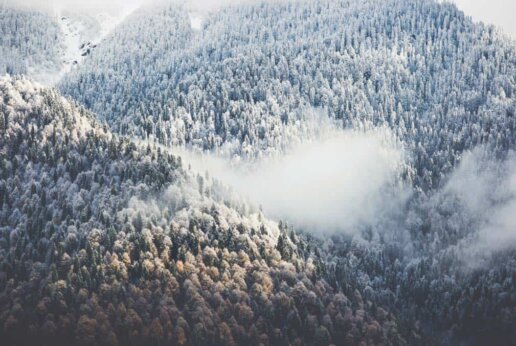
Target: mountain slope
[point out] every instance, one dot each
(104, 240)
(30, 43)
(47, 46)
(242, 84)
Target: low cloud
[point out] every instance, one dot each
(344, 180)
(496, 12)
(486, 188)
(114, 7)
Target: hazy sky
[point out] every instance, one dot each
(501, 13)
(497, 12)
(95, 6)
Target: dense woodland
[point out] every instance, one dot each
(107, 237)
(107, 241)
(242, 84)
(30, 42)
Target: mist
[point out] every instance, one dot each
(486, 188)
(335, 183)
(113, 7)
(496, 12)
(117, 7)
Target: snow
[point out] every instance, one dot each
(497, 12)
(81, 35)
(196, 21)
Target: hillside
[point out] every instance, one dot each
(46, 44)
(30, 43)
(241, 85)
(104, 240)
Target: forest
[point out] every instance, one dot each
(108, 234)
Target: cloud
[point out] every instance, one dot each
(113, 7)
(338, 182)
(497, 12)
(486, 188)
(116, 7)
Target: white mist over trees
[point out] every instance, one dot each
(495, 12)
(487, 189)
(91, 7)
(335, 182)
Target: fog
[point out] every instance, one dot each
(497, 12)
(113, 7)
(343, 181)
(337, 182)
(487, 189)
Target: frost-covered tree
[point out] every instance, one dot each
(97, 246)
(30, 42)
(243, 85)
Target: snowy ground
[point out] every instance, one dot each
(82, 34)
(196, 20)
